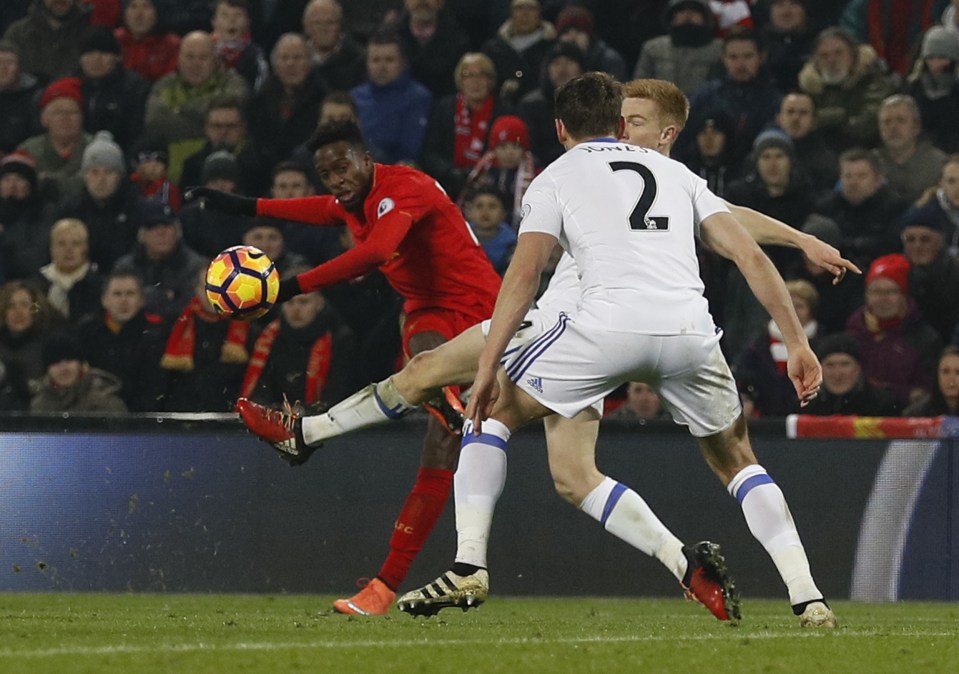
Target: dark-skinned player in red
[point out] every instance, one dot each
(404, 225)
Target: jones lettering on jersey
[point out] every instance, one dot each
(611, 148)
(386, 205)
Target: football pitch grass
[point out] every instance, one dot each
(198, 634)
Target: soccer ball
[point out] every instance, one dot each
(242, 282)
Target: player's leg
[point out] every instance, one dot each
(479, 481)
(700, 569)
(730, 455)
(448, 363)
(296, 436)
(422, 508)
(705, 399)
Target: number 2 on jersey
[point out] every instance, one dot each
(639, 219)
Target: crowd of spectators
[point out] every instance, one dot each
(837, 118)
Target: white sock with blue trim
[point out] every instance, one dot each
(371, 405)
(770, 521)
(627, 516)
(477, 485)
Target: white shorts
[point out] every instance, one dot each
(534, 324)
(568, 368)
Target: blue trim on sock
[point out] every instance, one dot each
(751, 483)
(485, 438)
(392, 412)
(618, 490)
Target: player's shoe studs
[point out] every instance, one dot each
(447, 591)
(448, 410)
(374, 599)
(817, 614)
(280, 428)
(708, 582)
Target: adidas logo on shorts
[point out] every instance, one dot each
(536, 383)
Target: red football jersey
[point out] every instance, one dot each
(412, 232)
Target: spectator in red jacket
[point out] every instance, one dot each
(898, 349)
(147, 49)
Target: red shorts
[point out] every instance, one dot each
(446, 322)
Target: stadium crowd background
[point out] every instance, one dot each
(838, 118)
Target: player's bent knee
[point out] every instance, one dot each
(417, 382)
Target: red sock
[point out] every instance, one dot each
(422, 508)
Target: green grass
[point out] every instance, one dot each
(193, 634)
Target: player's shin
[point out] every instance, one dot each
(416, 520)
(627, 516)
(478, 483)
(371, 405)
(770, 521)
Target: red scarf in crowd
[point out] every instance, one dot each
(181, 344)
(880, 326)
(470, 128)
(230, 52)
(317, 365)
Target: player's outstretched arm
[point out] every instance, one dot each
(769, 231)
(726, 236)
(516, 296)
(218, 200)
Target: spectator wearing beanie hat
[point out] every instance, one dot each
(206, 230)
(49, 37)
(710, 152)
(220, 171)
(845, 389)
(774, 187)
(149, 158)
(59, 150)
(509, 167)
(575, 24)
(114, 97)
(898, 348)
(933, 273)
(458, 132)
(934, 84)
(17, 93)
(106, 202)
(23, 238)
(103, 152)
(537, 108)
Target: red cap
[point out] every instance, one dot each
(509, 129)
(67, 87)
(894, 267)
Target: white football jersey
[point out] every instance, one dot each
(563, 291)
(629, 217)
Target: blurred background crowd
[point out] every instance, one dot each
(839, 118)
